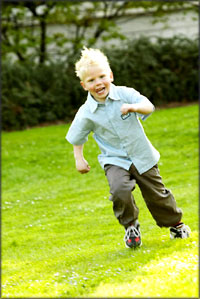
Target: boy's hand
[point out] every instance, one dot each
(82, 166)
(125, 108)
(145, 107)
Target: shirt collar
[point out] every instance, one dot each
(113, 95)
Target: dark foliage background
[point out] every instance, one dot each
(164, 71)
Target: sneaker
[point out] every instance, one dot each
(133, 236)
(180, 231)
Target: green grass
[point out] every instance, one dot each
(59, 235)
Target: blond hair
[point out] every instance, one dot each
(90, 57)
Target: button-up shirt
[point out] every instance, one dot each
(121, 138)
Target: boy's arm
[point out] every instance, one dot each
(81, 164)
(144, 107)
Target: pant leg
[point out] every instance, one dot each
(121, 186)
(159, 200)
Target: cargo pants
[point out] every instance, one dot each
(159, 200)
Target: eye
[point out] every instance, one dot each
(102, 76)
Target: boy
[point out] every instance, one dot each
(127, 156)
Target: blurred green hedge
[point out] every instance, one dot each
(165, 71)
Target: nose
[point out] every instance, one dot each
(98, 81)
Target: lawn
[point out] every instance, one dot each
(59, 235)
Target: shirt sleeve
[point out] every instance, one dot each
(134, 97)
(79, 129)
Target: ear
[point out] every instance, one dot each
(83, 85)
(111, 76)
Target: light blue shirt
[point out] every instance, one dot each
(121, 138)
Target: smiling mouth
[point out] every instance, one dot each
(100, 90)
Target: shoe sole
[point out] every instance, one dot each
(173, 238)
(134, 247)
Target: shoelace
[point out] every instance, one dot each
(131, 232)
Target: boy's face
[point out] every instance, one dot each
(97, 81)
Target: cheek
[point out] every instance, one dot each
(92, 87)
(108, 82)
(87, 87)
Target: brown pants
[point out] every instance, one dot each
(159, 200)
